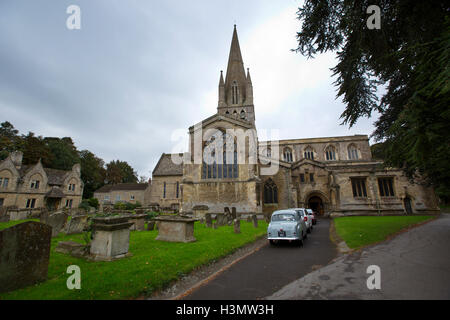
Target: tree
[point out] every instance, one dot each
(64, 153)
(93, 172)
(409, 56)
(34, 148)
(120, 172)
(9, 139)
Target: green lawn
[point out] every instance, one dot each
(154, 264)
(361, 231)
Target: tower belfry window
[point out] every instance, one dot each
(234, 93)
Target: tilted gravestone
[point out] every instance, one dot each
(76, 225)
(255, 220)
(237, 226)
(24, 255)
(57, 221)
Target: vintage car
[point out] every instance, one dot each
(286, 225)
(306, 217)
(313, 215)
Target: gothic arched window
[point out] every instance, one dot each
(352, 152)
(287, 155)
(222, 163)
(242, 114)
(270, 192)
(309, 153)
(234, 93)
(330, 153)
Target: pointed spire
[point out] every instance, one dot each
(221, 82)
(235, 68)
(248, 76)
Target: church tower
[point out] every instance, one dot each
(236, 92)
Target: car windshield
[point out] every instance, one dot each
(283, 217)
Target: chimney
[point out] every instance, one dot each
(16, 158)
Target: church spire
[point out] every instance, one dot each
(235, 77)
(236, 92)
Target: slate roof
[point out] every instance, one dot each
(55, 192)
(55, 176)
(122, 187)
(166, 167)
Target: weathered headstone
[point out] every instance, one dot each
(215, 225)
(208, 220)
(57, 221)
(200, 211)
(175, 229)
(138, 222)
(220, 219)
(111, 238)
(4, 215)
(76, 225)
(255, 220)
(24, 255)
(237, 226)
(233, 213)
(18, 214)
(75, 249)
(249, 218)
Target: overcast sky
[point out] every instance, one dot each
(139, 71)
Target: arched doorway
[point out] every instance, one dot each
(316, 204)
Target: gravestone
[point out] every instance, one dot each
(249, 218)
(111, 238)
(57, 221)
(76, 225)
(220, 219)
(215, 225)
(255, 220)
(237, 226)
(4, 215)
(175, 229)
(138, 221)
(200, 211)
(24, 255)
(233, 213)
(208, 220)
(15, 215)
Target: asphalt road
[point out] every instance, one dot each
(413, 265)
(270, 268)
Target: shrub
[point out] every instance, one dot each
(93, 202)
(84, 205)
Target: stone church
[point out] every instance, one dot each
(227, 166)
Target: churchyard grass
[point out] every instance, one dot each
(154, 264)
(4, 225)
(361, 230)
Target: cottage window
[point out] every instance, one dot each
(31, 203)
(69, 203)
(34, 184)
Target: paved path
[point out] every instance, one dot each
(414, 265)
(270, 268)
